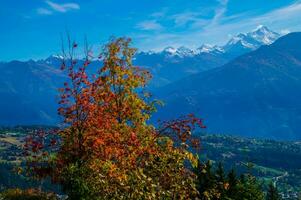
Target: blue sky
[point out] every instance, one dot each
(32, 28)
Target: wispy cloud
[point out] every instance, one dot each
(63, 7)
(56, 7)
(149, 25)
(159, 14)
(217, 29)
(290, 12)
(219, 12)
(44, 11)
(281, 18)
(182, 19)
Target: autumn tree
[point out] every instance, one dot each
(106, 148)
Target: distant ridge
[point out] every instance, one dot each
(257, 94)
(172, 64)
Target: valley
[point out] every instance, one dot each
(262, 158)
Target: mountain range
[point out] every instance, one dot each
(249, 86)
(173, 64)
(257, 94)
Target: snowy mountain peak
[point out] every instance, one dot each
(52, 59)
(205, 48)
(170, 50)
(237, 45)
(260, 27)
(237, 39)
(254, 39)
(55, 56)
(264, 35)
(184, 51)
(181, 51)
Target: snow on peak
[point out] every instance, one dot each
(170, 50)
(240, 42)
(53, 59)
(254, 39)
(181, 51)
(260, 27)
(264, 35)
(205, 48)
(184, 51)
(55, 56)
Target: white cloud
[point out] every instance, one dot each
(63, 7)
(287, 14)
(149, 25)
(44, 11)
(182, 19)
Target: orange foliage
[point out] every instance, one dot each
(107, 135)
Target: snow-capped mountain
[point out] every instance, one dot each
(173, 64)
(169, 50)
(263, 35)
(256, 94)
(180, 52)
(207, 48)
(237, 45)
(185, 52)
(245, 42)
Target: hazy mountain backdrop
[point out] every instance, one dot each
(256, 94)
(249, 86)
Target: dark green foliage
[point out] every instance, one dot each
(249, 190)
(216, 184)
(266, 156)
(206, 180)
(273, 193)
(75, 187)
(220, 174)
(233, 182)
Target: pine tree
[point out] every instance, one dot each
(203, 172)
(206, 182)
(232, 181)
(272, 193)
(242, 178)
(222, 184)
(220, 174)
(251, 189)
(216, 184)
